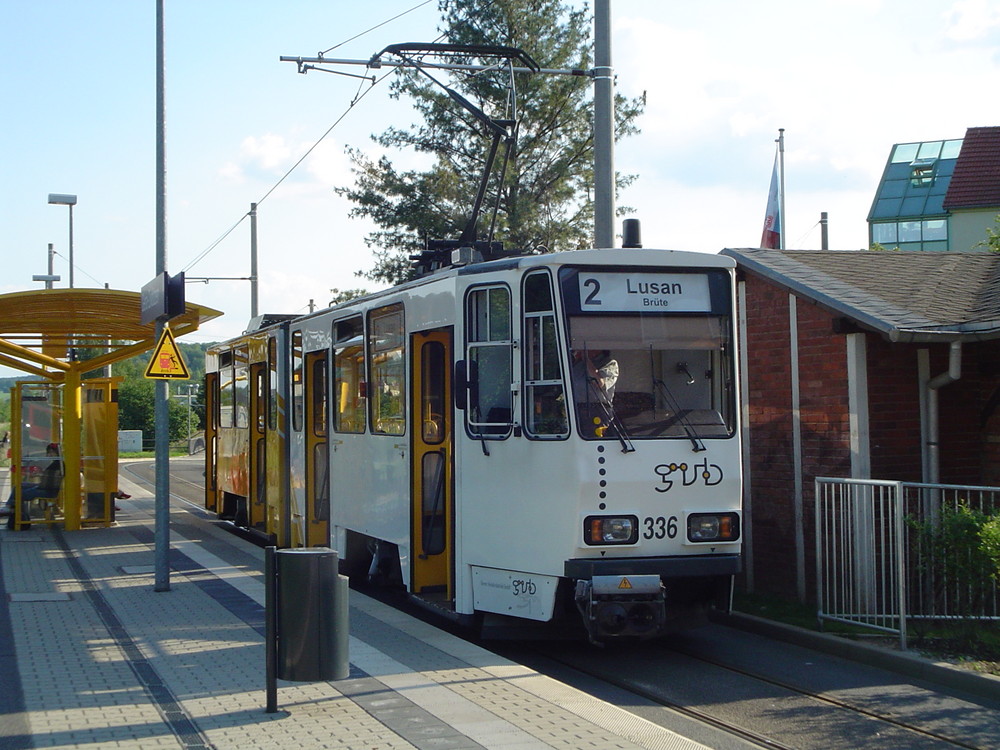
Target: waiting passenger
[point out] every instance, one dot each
(49, 485)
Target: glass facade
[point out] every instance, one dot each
(908, 211)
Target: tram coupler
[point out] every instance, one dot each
(617, 606)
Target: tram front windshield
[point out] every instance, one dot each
(656, 374)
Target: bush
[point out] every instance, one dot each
(958, 557)
(989, 536)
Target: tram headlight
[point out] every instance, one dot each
(610, 530)
(713, 527)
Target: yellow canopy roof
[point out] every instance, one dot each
(37, 327)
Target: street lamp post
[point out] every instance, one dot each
(49, 277)
(61, 199)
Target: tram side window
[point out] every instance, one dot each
(241, 387)
(489, 347)
(225, 389)
(387, 365)
(297, 405)
(318, 384)
(349, 376)
(544, 391)
(272, 401)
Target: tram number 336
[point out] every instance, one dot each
(659, 527)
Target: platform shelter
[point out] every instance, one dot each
(65, 418)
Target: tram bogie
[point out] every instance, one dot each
(533, 440)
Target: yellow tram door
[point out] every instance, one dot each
(432, 488)
(317, 456)
(257, 449)
(211, 440)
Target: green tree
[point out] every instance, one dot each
(545, 202)
(992, 241)
(338, 296)
(136, 394)
(136, 406)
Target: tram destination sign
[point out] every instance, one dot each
(644, 292)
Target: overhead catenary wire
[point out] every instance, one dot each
(357, 97)
(370, 64)
(377, 26)
(291, 169)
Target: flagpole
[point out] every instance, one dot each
(781, 188)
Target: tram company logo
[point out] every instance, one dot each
(709, 474)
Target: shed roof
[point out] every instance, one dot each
(976, 180)
(904, 295)
(37, 327)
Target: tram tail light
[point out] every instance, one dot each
(601, 530)
(713, 527)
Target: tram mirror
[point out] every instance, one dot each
(461, 385)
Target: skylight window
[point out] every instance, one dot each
(922, 172)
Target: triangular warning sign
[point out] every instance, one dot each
(167, 362)
(625, 583)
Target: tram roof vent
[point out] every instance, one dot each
(463, 256)
(631, 233)
(442, 254)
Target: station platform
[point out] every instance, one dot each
(92, 657)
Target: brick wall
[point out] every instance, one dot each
(969, 409)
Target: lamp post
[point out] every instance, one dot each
(49, 277)
(61, 199)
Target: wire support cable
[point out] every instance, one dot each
(201, 256)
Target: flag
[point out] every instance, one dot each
(771, 237)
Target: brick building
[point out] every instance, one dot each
(882, 365)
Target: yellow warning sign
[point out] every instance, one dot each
(625, 584)
(167, 362)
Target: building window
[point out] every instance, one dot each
(911, 235)
(922, 172)
(884, 233)
(934, 229)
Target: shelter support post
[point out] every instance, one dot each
(72, 422)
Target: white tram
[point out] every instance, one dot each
(524, 440)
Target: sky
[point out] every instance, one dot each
(846, 79)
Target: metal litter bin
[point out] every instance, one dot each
(312, 616)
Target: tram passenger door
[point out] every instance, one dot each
(211, 440)
(257, 509)
(432, 489)
(317, 451)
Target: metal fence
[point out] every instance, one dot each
(888, 551)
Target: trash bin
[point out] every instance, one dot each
(311, 619)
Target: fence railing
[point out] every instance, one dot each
(888, 551)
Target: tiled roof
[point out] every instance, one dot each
(906, 296)
(976, 181)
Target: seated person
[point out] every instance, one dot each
(49, 486)
(594, 367)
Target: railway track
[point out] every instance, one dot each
(740, 706)
(735, 690)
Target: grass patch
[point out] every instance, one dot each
(973, 644)
(174, 453)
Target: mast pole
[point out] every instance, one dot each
(604, 128)
(781, 188)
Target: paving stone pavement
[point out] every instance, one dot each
(92, 657)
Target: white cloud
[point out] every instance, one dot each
(268, 151)
(968, 20)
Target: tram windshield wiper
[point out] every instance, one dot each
(697, 445)
(611, 417)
